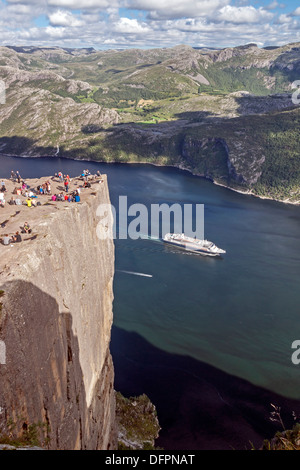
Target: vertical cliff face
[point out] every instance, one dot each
(56, 321)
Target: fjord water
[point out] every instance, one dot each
(238, 315)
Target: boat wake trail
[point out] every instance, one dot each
(134, 273)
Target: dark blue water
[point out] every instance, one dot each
(209, 340)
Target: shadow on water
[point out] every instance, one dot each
(199, 407)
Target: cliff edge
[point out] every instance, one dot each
(56, 290)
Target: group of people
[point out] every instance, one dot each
(16, 238)
(70, 197)
(21, 191)
(2, 193)
(7, 240)
(31, 196)
(44, 188)
(15, 176)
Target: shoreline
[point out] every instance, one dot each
(178, 167)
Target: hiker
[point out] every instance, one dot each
(26, 228)
(17, 238)
(2, 200)
(12, 175)
(66, 185)
(6, 240)
(12, 201)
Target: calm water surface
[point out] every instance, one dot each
(239, 314)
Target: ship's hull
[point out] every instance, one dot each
(183, 246)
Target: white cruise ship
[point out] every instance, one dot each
(203, 247)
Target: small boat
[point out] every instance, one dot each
(194, 245)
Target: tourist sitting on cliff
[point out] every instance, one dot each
(18, 201)
(26, 228)
(17, 191)
(2, 200)
(30, 194)
(29, 202)
(17, 238)
(12, 201)
(3, 187)
(54, 197)
(6, 240)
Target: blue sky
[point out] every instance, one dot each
(109, 24)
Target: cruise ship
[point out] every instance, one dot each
(203, 247)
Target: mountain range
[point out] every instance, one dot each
(225, 114)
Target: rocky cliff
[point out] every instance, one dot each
(55, 321)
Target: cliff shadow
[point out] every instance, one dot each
(19, 145)
(199, 407)
(41, 383)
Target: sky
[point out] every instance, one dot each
(122, 24)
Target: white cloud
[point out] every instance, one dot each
(64, 18)
(296, 12)
(247, 14)
(177, 8)
(130, 26)
(24, 2)
(283, 19)
(82, 4)
(274, 5)
(158, 23)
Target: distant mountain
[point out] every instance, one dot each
(226, 114)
